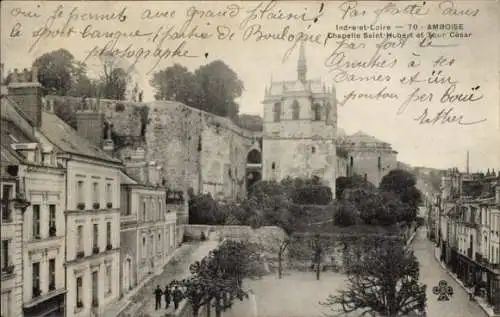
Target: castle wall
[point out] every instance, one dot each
(208, 152)
(196, 149)
(365, 161)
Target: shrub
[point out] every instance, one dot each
(186, 238)
(119, 107)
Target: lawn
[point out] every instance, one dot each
(297, 294)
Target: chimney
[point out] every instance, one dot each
(26, 91)
(90, 121)
(151, 173)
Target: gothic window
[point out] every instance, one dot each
(327, 110)
(273, 166)
(352, 161)
(316, 112)
(295, 110)
(277, 111)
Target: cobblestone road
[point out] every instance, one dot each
(144, 301)
(431, 273)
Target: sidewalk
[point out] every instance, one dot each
(141, 299)
(479, 300)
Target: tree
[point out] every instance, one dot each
(319, 245)
(402, 183)
(250, 122)
(195, 292)
(346, 214)
(276, 242)
(219, 86)
(114, 79)
(213, 87)
(174, 83)
(367, 202)
(59, 72)
(351, 183)
(384, 281)
(203, 209)
(218, 278)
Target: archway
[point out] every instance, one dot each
(254, 157)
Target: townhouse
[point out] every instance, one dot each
(93, 218)
(147, 226)
(470, 222)
(12, 208)
(71, 233)
(41, 179)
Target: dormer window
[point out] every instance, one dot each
(38, 156)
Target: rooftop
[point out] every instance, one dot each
(68, 140)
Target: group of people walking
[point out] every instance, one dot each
(174, 295)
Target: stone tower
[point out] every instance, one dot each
(300, 122)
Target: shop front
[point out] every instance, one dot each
(46, 307)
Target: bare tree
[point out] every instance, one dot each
(383, 282)
(276, 242)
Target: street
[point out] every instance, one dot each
(431, 273)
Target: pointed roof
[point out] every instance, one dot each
(302, 63)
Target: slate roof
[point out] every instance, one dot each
(9, 157)
(126, 179)
(312, 86)
(68, 140)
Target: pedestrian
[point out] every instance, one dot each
(166, 293)
(158, 293)
(177, 296)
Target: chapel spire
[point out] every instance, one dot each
(301, 64)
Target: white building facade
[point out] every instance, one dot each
(93, 219)
(11, 249)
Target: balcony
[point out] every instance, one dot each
(52, 231)
(37, 292)
(7, 270)
(6, 214)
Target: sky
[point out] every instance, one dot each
(30, 29)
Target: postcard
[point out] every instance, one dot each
(250, 158)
